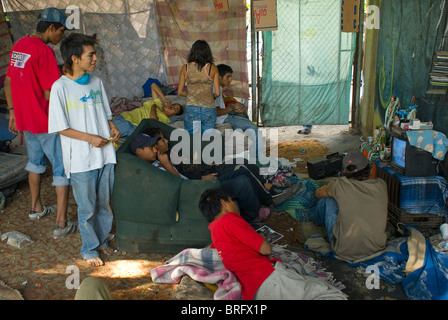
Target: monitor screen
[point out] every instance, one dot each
(399, 152)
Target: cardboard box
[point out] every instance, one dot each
(221, 5)
(415, 124)
(350, 15)
(265, 15)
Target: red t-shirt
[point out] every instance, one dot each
(32, 68)
(238, 245)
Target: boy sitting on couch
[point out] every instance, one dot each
(240, 183)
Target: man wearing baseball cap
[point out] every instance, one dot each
(353, 209)
(146, 147)
(143, 146)
(54, 15)
(32, 71)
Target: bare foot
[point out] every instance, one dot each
(95, 262)
(107, 251)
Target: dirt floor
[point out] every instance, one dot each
(47, 268)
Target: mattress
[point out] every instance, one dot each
(12, 169)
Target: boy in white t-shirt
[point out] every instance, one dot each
(80, 112)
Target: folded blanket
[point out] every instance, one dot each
(119, 105)
(203, 265)
(390, 262)
(432, 141)
(429, 280)
(304, 265)
(413, 262)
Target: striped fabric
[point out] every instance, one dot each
(181, 23)
(421, 194)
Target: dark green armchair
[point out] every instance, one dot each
(156, 211)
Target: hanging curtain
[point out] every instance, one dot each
(181, 23)
(307, 66)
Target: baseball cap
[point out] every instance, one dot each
(357, 159)
(142, 140)
(54, 15)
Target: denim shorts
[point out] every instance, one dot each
(42, 146)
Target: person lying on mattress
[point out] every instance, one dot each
(160, 108)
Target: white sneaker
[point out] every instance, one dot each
(70, 227)
(39, 215)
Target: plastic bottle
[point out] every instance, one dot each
(376, 134)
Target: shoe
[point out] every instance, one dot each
(286, 195)
(276, 191)
(304, 131)
(70, 227)
(39, 215)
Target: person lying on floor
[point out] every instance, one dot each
(353, 209)
(160, 108)
(259, 277)
(241, 184)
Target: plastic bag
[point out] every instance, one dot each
(17, 239)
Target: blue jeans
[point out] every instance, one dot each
(194, 116)
(5, 134)
(125, 127)
(325, 213)
(250, 129)
(40, 147)
(247, 193)
(92, 191)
